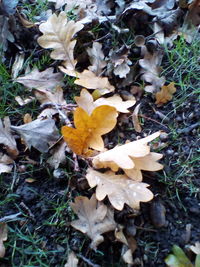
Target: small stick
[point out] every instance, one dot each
(145, 117)
(11, 217)
(23, 205)
(88, 261)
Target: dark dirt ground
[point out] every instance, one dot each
(42, 236)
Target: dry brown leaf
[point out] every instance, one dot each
(94, 218)
(135, 119)
(132, 158)
(89, 80)
(55, 96)
(27, 118)
(58, 155)
(85, 101)
(3, 237)
(6, 163)
(165, 94)
(96, 57)
(58, 34)
(44, 80)
(119, 189)
(193, 13)
(151, 70)
(89, 129)
(6, 139)
(38, 133)
(72, 260)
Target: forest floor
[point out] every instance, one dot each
(39, 197)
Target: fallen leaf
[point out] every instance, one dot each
(135, 119)
(55, 96)
(119, 189)
(96, 57)
(89, 129)
(17, 65)
(165, 94)
(127, 257)
(27, 118)
(72, 260)
(59, 3)
(89, 80)
(94, 218)
(151, 70)
(196, 248)
(38, 133)
(132, 158)
(5, 34)
(58, 155)
(6, 163)
(193, 13)
(3, 237)
(9, 6)
(85, 101)
(58, 34)
(23, 102)
(6, 138)
(44, 80)
(30, 180)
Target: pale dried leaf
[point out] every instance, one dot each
(38, 133)
(151, 70)
(196, 248)
(17, 65)
(44, 80)
(6, 138)
(6, 163)
(23, 102)
(54, 96)
(94, 218)
(135, 149)
(58, 34)
(72, 260)
(119, 189)
(3, 237)
(127, 257)
(135, 119)
(85, 101)
(58, 155)
(89, 80)
(96, 57)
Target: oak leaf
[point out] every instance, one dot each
(58, 34)
(89, 129)
(165, 94)
(6, 138)
(94, 218)
(90, 80)
(38, 133)
(119, 189)
(85, 101)
(131, 157)
(96, 57)
(44, 80)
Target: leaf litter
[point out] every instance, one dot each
(114, 172)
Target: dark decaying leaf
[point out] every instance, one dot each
(38, 133)
(8, 7)
(5, 34)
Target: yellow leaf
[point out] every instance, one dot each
(89, 129)
(58, 34)
(85, 101)
(94, 218)
(165, 94)
(132, 158)
(118, 188)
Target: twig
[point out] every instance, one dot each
(145, 117)
(88, 261)
(23, 205)
(12, 217)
